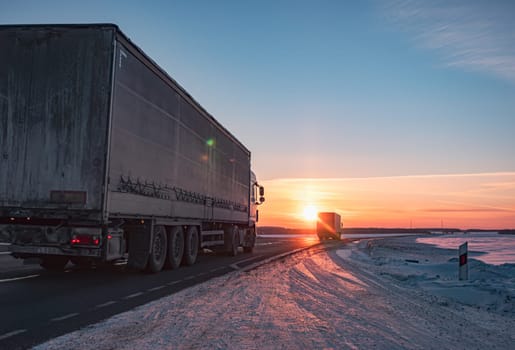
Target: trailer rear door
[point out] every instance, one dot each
(54, 105)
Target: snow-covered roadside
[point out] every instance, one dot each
(435, 271)
(350, 297)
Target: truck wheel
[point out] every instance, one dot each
(54, 263)
(175, 247)
(190, 246)
(157, 256)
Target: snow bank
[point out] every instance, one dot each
(434, 270)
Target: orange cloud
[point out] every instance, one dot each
(484, 200)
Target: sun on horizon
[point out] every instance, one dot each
(310, 213)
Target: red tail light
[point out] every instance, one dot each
(85, 240)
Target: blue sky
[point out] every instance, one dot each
(333, 89)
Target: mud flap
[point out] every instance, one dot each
(139, 247)
(115, 246)
(249, 240)
(231, 241)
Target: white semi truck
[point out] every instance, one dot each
(103, 156)
(329, 225)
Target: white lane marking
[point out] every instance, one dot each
(174, 282)
(3, 243)
(18, 278)
(155, 288)
(5, 253)
(12, 334)
(213, 270)
(65, 317)
(133, 295)
(105, 304)
(234, 266)
(189, 278)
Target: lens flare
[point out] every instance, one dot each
(310, 213)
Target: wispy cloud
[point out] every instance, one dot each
(473, 35)
(467, 210)
(506, 174)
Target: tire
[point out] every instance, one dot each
(175, 247)
(54, 263)
(191, 242)
(157, 256)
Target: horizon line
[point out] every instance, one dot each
(501, 173)
(394, 228)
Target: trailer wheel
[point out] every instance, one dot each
(175, 247)
(54, 263)
(190, 246)
(157, 256)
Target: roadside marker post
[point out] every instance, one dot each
(463, 268)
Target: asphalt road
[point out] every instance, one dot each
(37, 305)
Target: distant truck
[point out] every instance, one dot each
(329, 225)
(105, 158)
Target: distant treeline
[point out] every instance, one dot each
(361, 230)
(503, 232)
(268, 230)
(506, 232)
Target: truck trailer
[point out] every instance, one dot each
(105, 158)
(329, 225)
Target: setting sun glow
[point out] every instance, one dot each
(485, 201)
(310, 213)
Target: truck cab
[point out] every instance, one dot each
(257, 193)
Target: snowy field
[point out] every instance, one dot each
(391, 293)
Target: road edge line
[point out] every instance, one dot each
(275, 257)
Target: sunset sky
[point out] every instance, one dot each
(392, 113)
